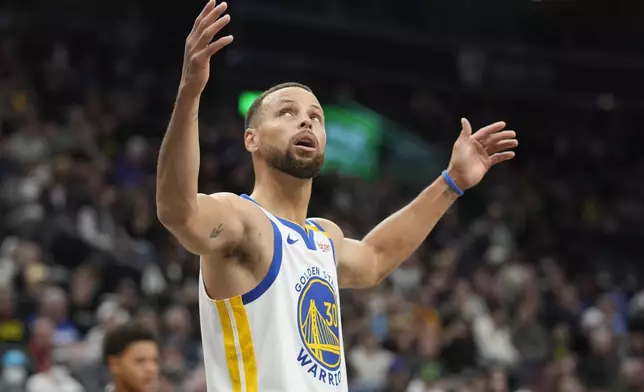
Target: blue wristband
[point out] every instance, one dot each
(451, 183)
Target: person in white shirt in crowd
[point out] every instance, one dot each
(493, 338)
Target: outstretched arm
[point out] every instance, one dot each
(366, 263)
(201, 223)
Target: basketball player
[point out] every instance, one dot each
(269, 305)
(132, 356)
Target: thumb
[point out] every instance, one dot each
(466, 127)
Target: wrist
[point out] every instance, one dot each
(188, 94)
(187, 101)
(457, 177)
(452, 183)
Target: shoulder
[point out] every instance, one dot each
(248, 210)
(247, 220)
(226, 197)
(333, 230)
(37, 381)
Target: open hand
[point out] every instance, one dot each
(199, 48)
(474, 154)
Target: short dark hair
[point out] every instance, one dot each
(121, 337)
(255, 107)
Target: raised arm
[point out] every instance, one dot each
(202, 223)
(366, 263)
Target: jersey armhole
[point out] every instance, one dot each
(273, 270)
(266, 282)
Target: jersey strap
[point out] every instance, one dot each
(276, 263)
(313, 225)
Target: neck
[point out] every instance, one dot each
(283, 195)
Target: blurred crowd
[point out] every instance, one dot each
(530, 283)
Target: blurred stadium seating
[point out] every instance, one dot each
(532, 282)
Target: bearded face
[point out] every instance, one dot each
(291, 136)
(294, 161)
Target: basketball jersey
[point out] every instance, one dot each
(285, 335)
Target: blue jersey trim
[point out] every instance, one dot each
(335, 260)
(314, 223)
(245, 196)
(273, 271)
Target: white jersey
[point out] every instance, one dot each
(285, 335)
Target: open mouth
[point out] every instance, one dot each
(307, 141)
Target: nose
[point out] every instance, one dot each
(305, 123)
(151, 369)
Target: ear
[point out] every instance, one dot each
(112, 364)
(251, 140)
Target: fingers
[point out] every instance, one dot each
(214, 47)
(211, 16)
(484, 132)
(218, 45)
(211, 30)
(208, 26)
(466, 127)
(206, 9)
(211, 25)
(497, 137)
(501, 157)
(502, 145)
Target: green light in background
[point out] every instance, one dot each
(245, 100)
(353, 138)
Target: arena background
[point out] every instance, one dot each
(533, 281)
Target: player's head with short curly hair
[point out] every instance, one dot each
(132, 355)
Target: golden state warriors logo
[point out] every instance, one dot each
(319, 325)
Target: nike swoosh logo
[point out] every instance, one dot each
(291, 241)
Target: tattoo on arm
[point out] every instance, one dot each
(451, 194)
(216, 231)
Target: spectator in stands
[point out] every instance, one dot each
(14, 371)
(54, 307)
(41, 344)
(83, 296)
(531, 341)
(494, 339)
(371, 363)
(178, 329)
(12, 329)
(132, 355)
(51, 372)
(109, 315)
(600, 368)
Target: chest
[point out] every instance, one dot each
(307, 248)
(308, 263)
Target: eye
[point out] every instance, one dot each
(318, 117)
(286, 112)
